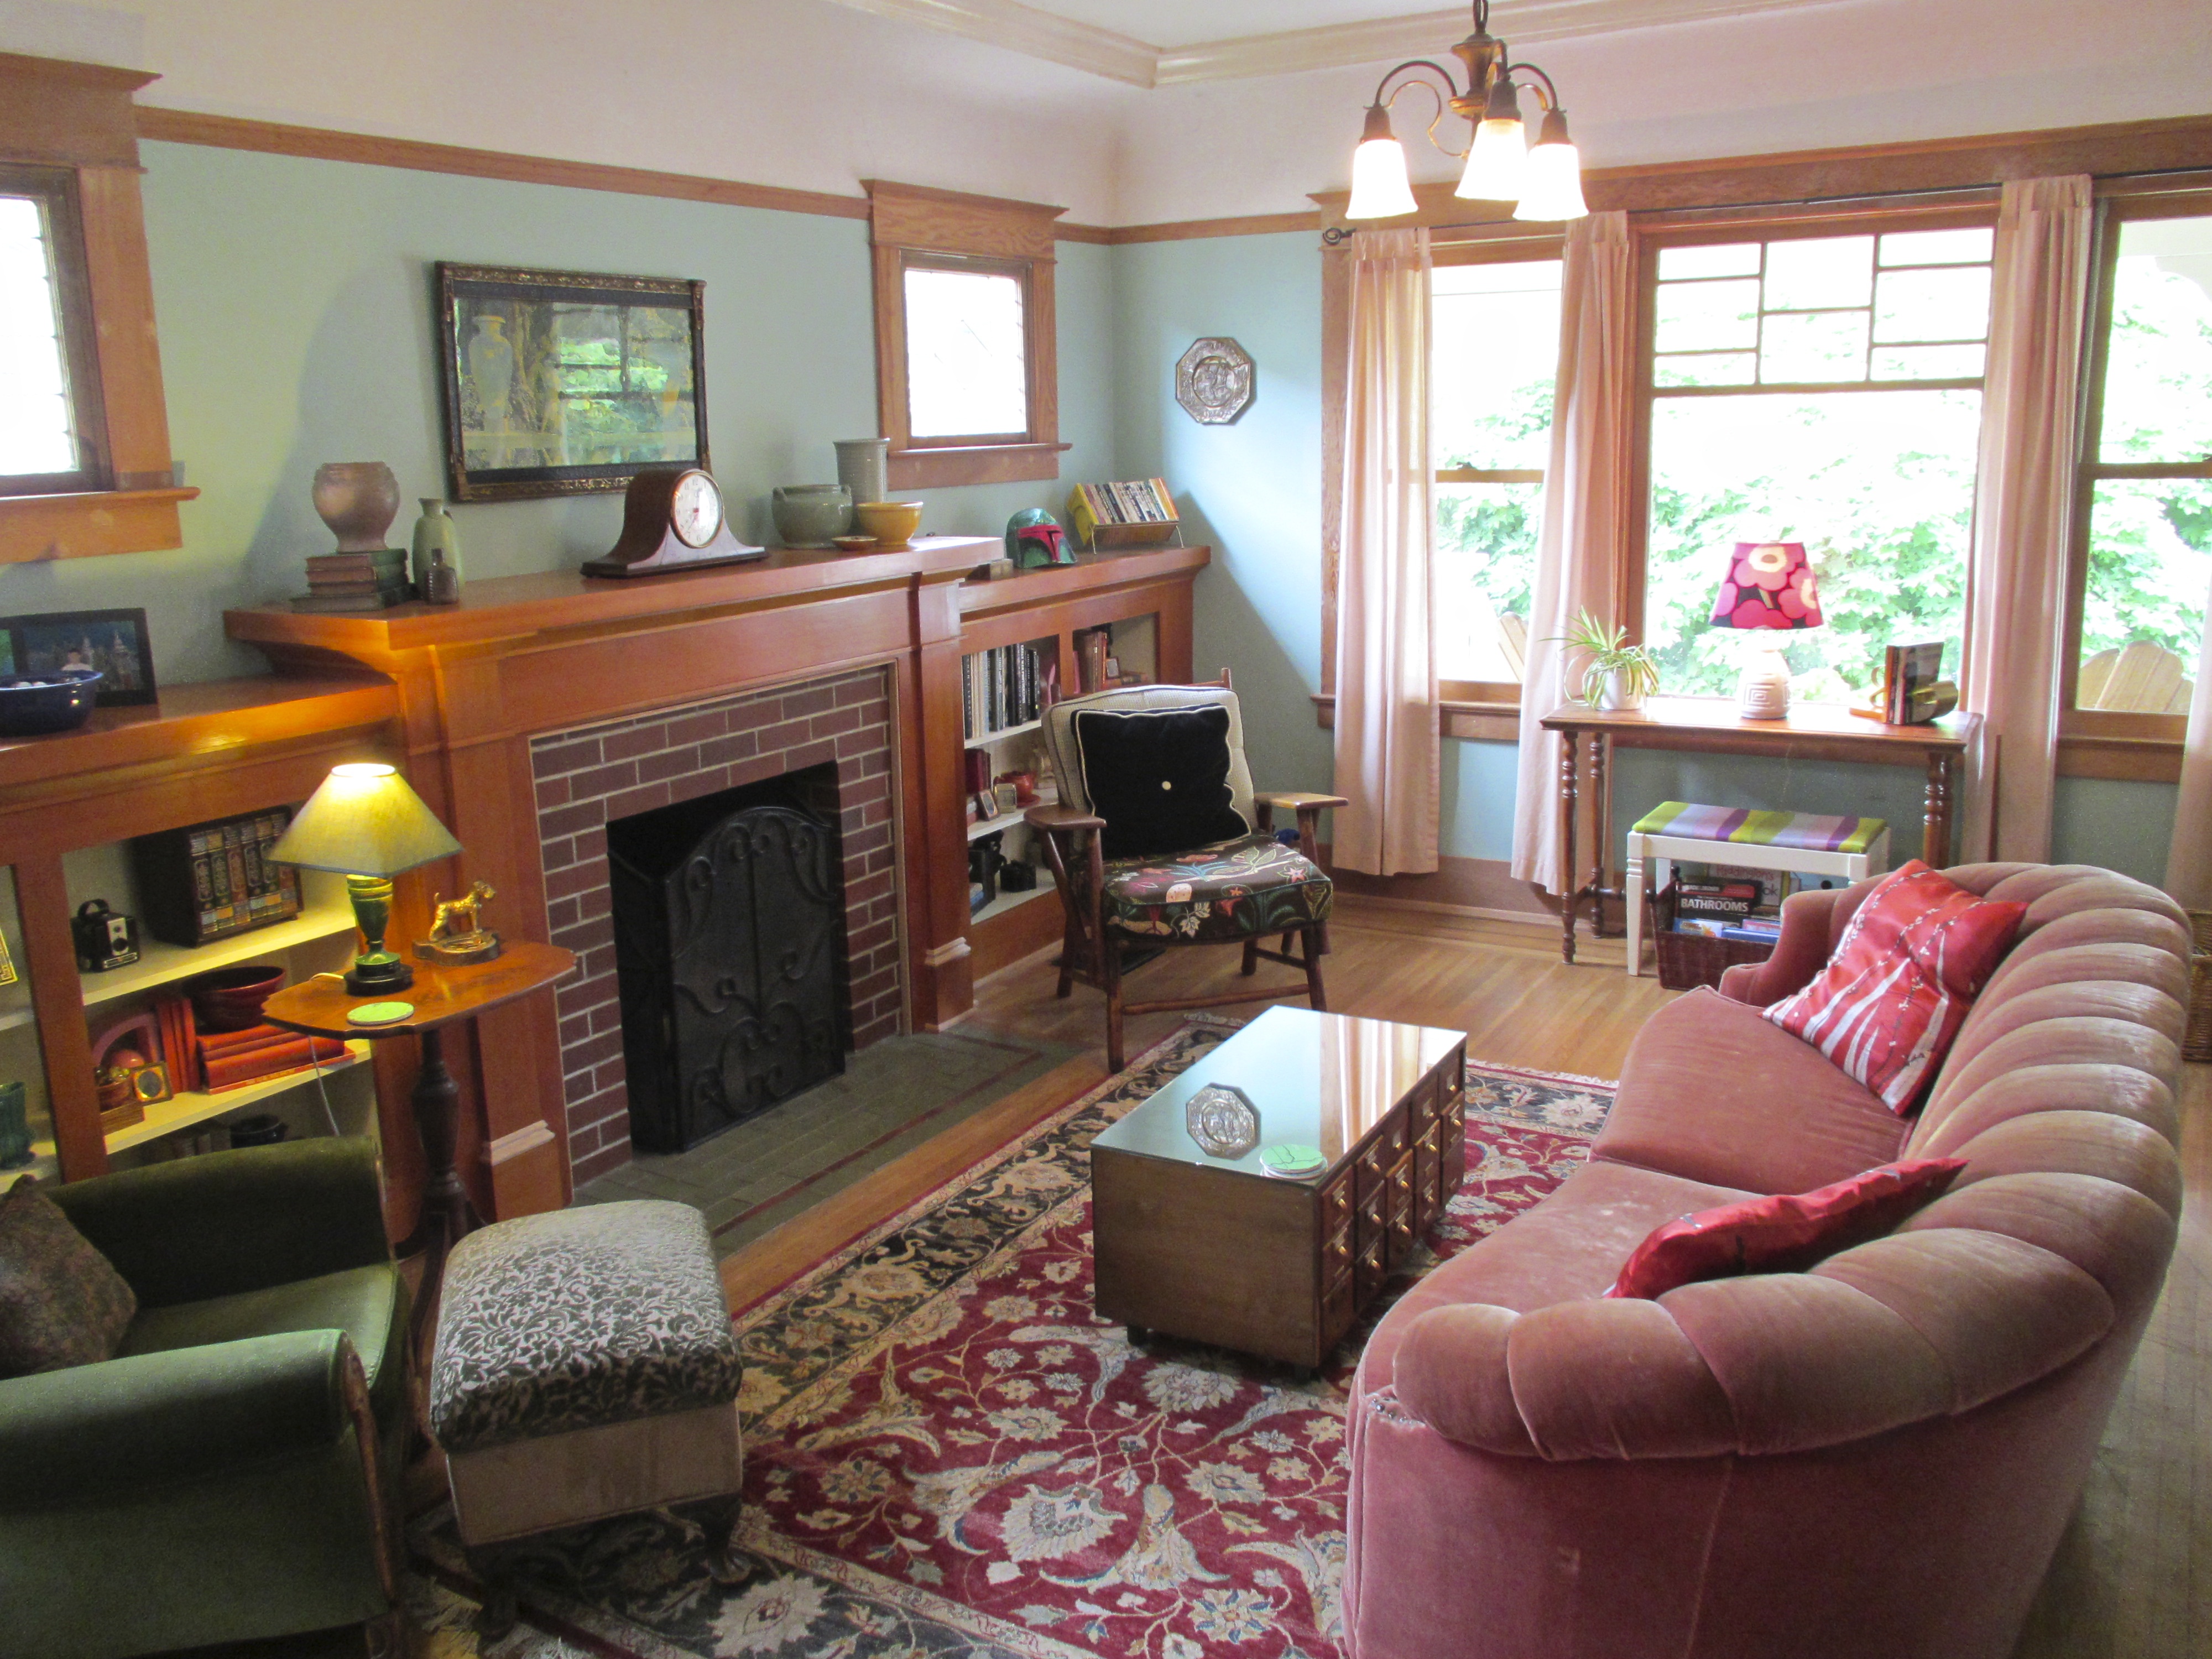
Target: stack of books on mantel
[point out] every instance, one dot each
(356, 582)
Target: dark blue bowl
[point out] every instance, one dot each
(31, 708)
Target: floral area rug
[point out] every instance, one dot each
(948, 1455)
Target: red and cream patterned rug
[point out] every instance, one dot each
(948, 1455)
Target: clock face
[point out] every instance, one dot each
(695, 512)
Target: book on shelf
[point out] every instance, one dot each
(1132, 501)
(211, 880)
(1001, 689)
(230, 1060)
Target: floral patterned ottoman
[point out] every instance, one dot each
(585, 1368)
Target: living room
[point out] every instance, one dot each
(297, 229)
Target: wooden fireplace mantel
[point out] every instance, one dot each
(526, 656)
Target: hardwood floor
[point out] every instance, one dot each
(2133, 1578)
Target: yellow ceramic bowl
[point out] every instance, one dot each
(892, 522)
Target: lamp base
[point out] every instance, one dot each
(1763, 692)
(377, 974)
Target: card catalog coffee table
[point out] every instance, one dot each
(1210, 1248)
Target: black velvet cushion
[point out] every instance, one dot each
(1159, 778)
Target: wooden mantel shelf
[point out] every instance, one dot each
(1090, 573)
(214, 718)
(508, 606)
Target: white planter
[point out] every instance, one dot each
(1619, 693)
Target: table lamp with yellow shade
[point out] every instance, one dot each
(363, 822)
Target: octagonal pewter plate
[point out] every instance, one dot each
(1214, 381)
(1221, 1119)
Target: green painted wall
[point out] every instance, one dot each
(1253, 490)
(294, 303)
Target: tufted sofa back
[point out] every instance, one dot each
(2060, 1096)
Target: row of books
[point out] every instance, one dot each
(1724, 909)
(212, 880)
(1002, 688)
(1143, 500)
(213, 1062)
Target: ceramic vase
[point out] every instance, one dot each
(808, 515)
(864, 467)
(1620, 693)
(437, 543)
(358, 500)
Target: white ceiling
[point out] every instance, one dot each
(1154, 43)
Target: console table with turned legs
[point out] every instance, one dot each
(1711, 725)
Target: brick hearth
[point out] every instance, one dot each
(591, 776)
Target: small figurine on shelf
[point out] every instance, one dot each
(457, 931)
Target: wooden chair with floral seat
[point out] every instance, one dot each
(1158, 839)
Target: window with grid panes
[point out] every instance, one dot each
(1495, 355)
(50, 415)
(2143, 515)
(1823, 389)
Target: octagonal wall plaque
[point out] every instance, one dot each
(1214, 381)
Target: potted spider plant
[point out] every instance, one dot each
(1615, 674)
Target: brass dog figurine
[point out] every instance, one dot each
(457, 931)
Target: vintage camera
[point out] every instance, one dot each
(106, 939)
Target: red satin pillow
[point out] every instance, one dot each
(1911, 960)
(1785, 1233)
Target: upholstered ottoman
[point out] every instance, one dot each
(585, 1368)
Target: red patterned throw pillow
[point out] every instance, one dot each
(1785, 1233)
(1911, 960)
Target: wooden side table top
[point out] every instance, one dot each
(319, 1006)
(1713, 724)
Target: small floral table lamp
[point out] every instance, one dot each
(1769, 589)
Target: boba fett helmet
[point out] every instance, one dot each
(1034, 539)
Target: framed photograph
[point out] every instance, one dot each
(563, 383)
(112, 642)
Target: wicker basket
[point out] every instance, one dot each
(1689, 960)
(2196, 1042)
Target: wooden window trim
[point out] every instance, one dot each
(2106, 743)
(912, 226)
(79, 117)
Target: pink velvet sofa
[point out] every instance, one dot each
(1874, 1458)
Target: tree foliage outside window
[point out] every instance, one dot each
(1495, 357)
(1823, 390)
(2150, 539)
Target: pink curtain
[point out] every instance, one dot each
(1388, 722)
(1593, 417)
(2189, 860)
(2016, 586)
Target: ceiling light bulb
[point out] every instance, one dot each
(1498, 166)
(1552, 189)
(1380, 187)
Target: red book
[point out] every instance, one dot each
(251, 1068)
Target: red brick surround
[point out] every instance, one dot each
(589, 776)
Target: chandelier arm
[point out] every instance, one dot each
(1546, 92)
(1451, 86)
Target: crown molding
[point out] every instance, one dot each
(1026, 29)
(1039, 33)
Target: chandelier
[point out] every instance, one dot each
(1544, 179)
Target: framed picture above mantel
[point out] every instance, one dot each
(563, 383)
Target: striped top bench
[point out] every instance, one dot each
(1812, 832)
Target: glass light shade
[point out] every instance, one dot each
(1380, 187)
(1498, 166)
(1552, 189)
(363, 820)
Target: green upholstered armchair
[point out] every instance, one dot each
(232, 1472)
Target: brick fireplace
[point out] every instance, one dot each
(589, 776)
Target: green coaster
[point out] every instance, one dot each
(379, 1013)
(1291, 1159)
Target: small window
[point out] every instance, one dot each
(966, 359)
(967, 372)
(1495, 357)
(49, 387)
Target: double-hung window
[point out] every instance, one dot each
(1819, 385)
(51, 423)
(1495, 353)
(2142, 517)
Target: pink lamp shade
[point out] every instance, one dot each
(1769, 585)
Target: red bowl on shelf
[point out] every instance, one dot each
(230, 999)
